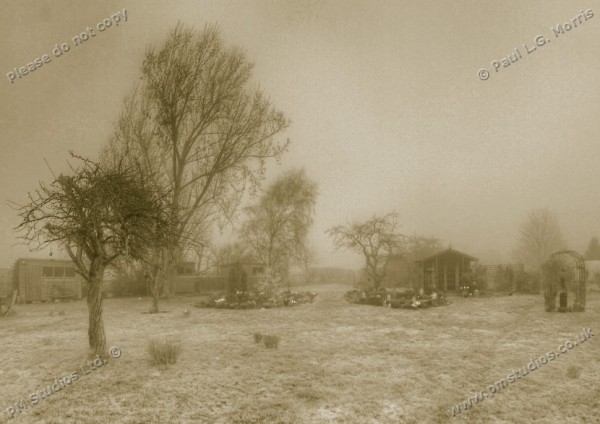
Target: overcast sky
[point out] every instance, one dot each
(387, 109)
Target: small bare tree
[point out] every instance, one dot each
(539, 237)
(97, 215)
(277, 226)
(593, 250)
(197, 126)
(376, 239)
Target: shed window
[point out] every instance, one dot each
(59, 271)
(70, 272)
(47, 271)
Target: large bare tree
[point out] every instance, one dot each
(376, 239)
(539, 237)
(201, 130)
(97, 215)
(277, 226)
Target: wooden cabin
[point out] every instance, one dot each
(47, 279)
(443, 270)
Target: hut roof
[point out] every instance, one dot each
(449, 251)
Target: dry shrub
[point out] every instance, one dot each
(257, 337)
(47, 341)
(163, 352)
(573, 372)
(271, 342)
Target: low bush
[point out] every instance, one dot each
(127, 282)
(271, 341)
(573, 372)
(406, 299)
(163, 352)
(257, 337)
(47, 341)
(258, 297)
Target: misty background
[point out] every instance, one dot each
(386, 107)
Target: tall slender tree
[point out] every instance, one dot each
(201, 130)
(539, 237)
(278, 224)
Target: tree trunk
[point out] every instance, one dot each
(376, 283)
(97, 338)
(10, 305)
(163, 283)
(155, 294)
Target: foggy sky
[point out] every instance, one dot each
(387, 110)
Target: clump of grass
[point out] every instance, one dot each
(47, 341)
(271, 342)
(573, 372)
(163, 352)
(51, 313)
(62, 312)
(187, 313)
(257, 337)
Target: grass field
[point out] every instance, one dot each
(337, 362)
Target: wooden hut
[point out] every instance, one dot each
(47, 279)
(443, 270)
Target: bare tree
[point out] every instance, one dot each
(376, 239)
(97, 215)
(593, 250)
(231, 253)
(277, 226)
(539, 237)
(197, 126)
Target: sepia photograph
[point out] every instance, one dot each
(300, 211)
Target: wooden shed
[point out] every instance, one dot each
(47, 279)
(442, 271)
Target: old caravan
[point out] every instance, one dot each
(47, 279)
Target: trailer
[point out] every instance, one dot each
(45, 280)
